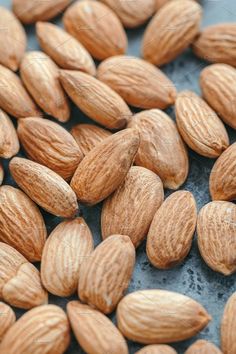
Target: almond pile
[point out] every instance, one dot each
(126, 157)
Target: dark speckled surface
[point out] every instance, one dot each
(193, 277)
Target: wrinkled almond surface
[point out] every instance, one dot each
(228, 326)
(9, 143)
(203, 347)
(156, 349)
(7, 319)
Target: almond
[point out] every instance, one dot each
(20, 283)
(105, 167)
(97, 100)
(216, 236)
(50, 144)
(91, 328)
(131, 208)
(140, 84)
(228, 326)
(199, 125)
(21, 223)
(43, 330)
(105, 275)
(45, 187)
(171, 31)
(1, 173)
(157, 349)
(203, 347)
(160, 3)
(7, 319)
(161, 148)
(9, 143)
(73, 243)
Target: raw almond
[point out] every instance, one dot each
(21, 223)
(157, 349)
(50, 144)
(172, 317)
(216, 236)
(105, 167)
(1, 173)
(160, 3)
(161, 148)
(9, 143)
(140, 84)
(171, 31)
(97, 100)
(73, 243)
(105, 275)
(199, 125)
(91, 328)
(7, 319)
(43, 330)
(203, 347)
(45, 187)
(131, 208)
(228, 326)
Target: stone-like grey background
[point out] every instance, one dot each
(193, 277)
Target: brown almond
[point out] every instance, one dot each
(203, 347)
(228, 326)
(156, 349)
(160, 3)
(7, 319)
(1, 173)
(9, 143)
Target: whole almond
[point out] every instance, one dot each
(216, 236)
(1, 173)
(43, 330)
(20, 283)
(156, 349)
(199, 125)
(7, 319)
(50, 144)
(140, 84)
(97, 100)
(172, 317)
(171, 31)
(171, 233)
(113, 157)
(105, 275)
(45, 187)
(91, 328)
(228, 326)
(73, 243)
(131, 208)
(64, 49)
(9, 143)
(161, 148)
(21, 223)
(203, 347)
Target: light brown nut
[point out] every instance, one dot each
(43, 330)
(203, 347)
(69, 244)
(105, 167)
(102, 33)
(228, 326)
(21, 223)
(44, 187)
(140, 83)
(216, 236)
(131, 208)
(7, 318)
(156, 349)
(160, 3)
(9, 143)
(161, 147)
(1, 173)
(91, 328)
(171, 31)
(105, 275)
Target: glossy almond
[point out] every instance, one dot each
(9, 143)
(156, 349)
(228, 326)
(7, 319)
(1, 173)
(203, 347)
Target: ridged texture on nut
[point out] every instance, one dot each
(69, 244)
(21, 223)
(171, 233)
(105, 275)
(228, 326)
(50, 144)
(7, 319)
(1, 173)
(9, 143)
(199, 125)
(203, 347)
(91, 22)
(105, 167)
(161, 147)
(43, 330)
(131, 208)
(159, 316)
(140, 84)
(171, 31)
(91, 328)
(45, 187)
(216, 236)
(156, 349)
(97, 100)
(20, 283)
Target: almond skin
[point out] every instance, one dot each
(203, 347)
(91, 328)
(97, 100)
(156, 349)
(105, 275)
(199, 125)
(113, 157)
(216, 236)
(48, 189)
(131, 208)
(7, 319)
(50, 144)
(1, 173)
(228, 326)
(73, 243)
(140, 84)
(9, 143)
(160, 3)
(161, 148)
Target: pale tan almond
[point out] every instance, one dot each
(9, 143)
(228, 326)
(160, 3)
(1, 173)
(45, 187)
(91, 328)
(156, 349)
(203, 347)
(7, 319)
